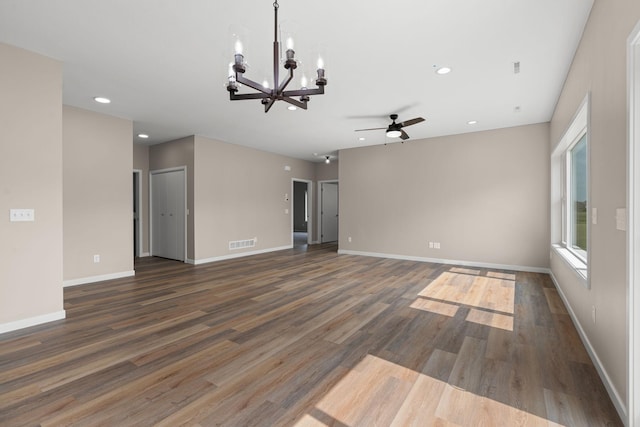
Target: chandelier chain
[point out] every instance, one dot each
(275, 4)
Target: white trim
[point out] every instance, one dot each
(100, 278)
(32, 321)
(447, 261)
(140, 216)
(238, 255)
(633, 222)
(309, 199)
(144, 254)
(574, 263)
(604, 375)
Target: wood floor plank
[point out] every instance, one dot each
(305, 338)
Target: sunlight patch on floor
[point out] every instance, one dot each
(496, 294)
(494, 320)
(437, 307)
(491, 297)
(379, 392)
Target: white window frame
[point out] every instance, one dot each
(560, 201)
(567, 219)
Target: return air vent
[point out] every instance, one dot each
(241, 244)
(516, 67)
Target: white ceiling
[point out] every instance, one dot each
(164, 63)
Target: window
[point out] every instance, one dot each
(570, 207)
(576, 197)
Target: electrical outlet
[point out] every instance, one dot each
(21, 215)
(349, 239)
(96, 258)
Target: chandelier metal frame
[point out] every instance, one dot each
(269, 96)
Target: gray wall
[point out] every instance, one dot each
(97, 161)
(483, 196)
(599, 67)
(30, 177)
(240, 194)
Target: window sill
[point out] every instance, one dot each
(574, 262)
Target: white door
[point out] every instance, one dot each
(329, 211)
(168, 214)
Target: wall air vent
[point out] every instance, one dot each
(241, 244)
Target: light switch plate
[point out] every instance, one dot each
(621, 219)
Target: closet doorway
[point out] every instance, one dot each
(168, 208)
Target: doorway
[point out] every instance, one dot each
(137, 215)
(328, 211)
(301, 208)
(168, 208)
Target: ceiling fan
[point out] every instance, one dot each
(394, 130)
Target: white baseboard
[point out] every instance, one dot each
(93, 279)
(144, 254)
(604, 375)
(449, 261)
(31, 321)
(237, 255)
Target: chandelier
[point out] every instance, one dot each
(267, 95)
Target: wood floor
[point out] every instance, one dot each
(305, 337)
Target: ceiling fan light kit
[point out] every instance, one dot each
(266, 95)
(394, 130)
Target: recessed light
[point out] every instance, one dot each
(362, 138)
(102, 100)
(516, 109)
(291, 108)
(443, 70)
(472, 122)
(143, 135)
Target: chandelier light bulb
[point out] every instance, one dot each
(238, 47)
(320, 63)
(303, 81)
(290, 43)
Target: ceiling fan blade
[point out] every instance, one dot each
(361, 130)
(403, 135)
(411, 122)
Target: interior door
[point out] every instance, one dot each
(168, 214)
(329, 212)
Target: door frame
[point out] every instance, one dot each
(186, 210)
(319, 210)
(138, 201)
(633, 227)
(310, 208)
